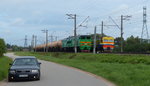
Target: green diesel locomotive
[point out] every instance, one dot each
(83, 42)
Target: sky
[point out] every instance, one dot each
(28, 17)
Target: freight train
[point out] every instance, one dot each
(84, 43)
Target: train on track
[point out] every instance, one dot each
(84, 43)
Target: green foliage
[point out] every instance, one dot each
(14, 47)
(118, 44)
(123, 70)
(132, 44)
(2, 47)
(4, 65)
(103, 58)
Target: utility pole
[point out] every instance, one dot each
(51, 38)
(25, 42)
(46, 40)
(44, 48)
(35, 42)
(102, 30)
(74, 16)
(121, 33)
(123, 18)
(75, 33)
(56, 38)
(94, 50)
(32, 43)
(46, 43)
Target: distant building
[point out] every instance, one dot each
(9, 49)
(25, 49)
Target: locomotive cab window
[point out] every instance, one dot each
(68, 42)
(82, 37)
(105, 40)
(88, 37)
(111, 40)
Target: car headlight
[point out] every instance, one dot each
(34, 71)
(12, 71)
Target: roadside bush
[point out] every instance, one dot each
(2, 47)
(4, 65)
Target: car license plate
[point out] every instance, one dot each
(23, 75)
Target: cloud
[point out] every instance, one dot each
(17, 22)
(27, 17)
(3, 24)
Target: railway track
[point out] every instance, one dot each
(125, 53)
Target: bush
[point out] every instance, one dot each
(2, 47)
(132, 45)
(4, 65)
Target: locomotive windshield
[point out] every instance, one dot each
(111, 40)
(85, 37)
(82, 37)
(105, 40)
(108, 40)
(88, 37)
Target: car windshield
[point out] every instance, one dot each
(25, 61)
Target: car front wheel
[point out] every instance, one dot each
(9, 79)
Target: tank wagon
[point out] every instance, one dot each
(55, 46)
(40, 48)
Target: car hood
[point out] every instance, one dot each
(25, 67)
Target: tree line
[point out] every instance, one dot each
(14, 47)
(133, 44)
(2, 47)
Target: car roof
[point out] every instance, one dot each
(25, 57)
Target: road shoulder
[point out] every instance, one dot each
(88, 73)
(3, 82)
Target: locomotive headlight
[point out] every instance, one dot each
(34, 71)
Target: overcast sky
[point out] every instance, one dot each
(27, 17)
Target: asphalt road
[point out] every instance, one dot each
(57, 75)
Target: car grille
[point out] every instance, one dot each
(23, 71)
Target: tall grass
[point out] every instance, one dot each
(103, 58)
(123, 70)
(4, 65)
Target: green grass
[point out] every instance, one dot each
(123, 70)
(4, 65)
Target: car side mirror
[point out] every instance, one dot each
(39, 63)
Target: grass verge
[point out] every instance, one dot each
(4, 65)
(123, 70)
